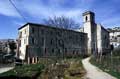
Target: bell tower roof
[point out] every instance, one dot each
(88, 16)
(88, 12)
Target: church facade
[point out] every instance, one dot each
(36, 40)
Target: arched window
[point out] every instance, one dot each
(86, 18)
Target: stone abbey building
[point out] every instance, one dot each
(36, 40)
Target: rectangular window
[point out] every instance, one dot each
(33, 41)
(20, 43)
(42, 31)
(33, 30)
(20, 34)
(24, 41)
(51, 42)
(25, 31)
(42, 41)
(53, 50)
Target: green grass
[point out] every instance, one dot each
(25, 70)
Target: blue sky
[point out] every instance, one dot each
(107, 12)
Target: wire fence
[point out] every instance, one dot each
(110, 61)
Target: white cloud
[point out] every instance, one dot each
(7, 9)
(37, 10)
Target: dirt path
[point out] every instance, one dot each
(94, 72)
(5, 69)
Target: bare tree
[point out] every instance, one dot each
(61, 22)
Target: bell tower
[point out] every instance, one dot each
(90, 29)
(88, 17)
